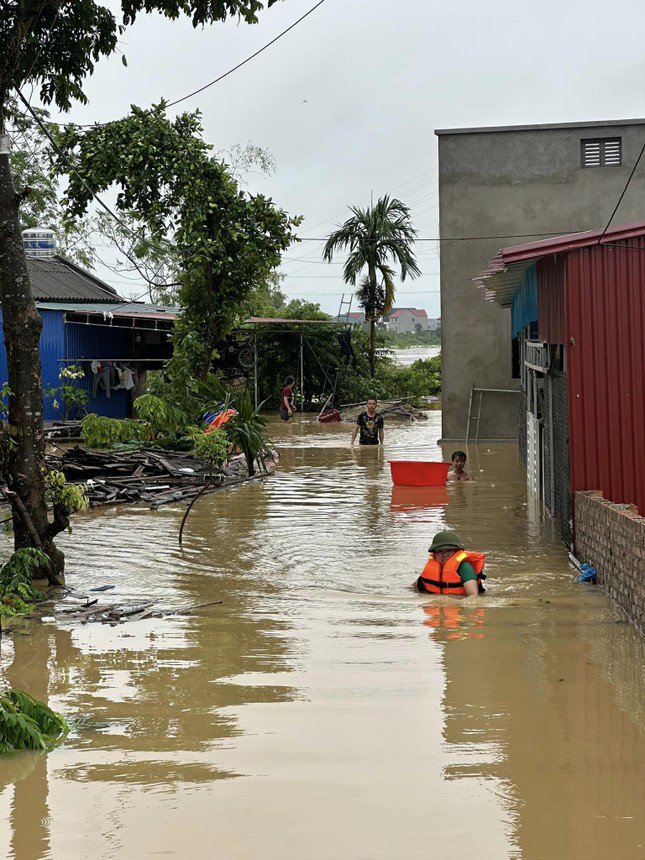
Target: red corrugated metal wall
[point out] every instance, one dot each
(605, 318)
(550, 275)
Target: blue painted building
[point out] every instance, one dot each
(86, 322)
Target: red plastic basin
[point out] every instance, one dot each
(418, 473)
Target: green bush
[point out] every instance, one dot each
(102, 432)
(16, 590)
(27, 724)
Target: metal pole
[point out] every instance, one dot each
(255, 373)
(551, 444)
(470, 406)
(302, 371)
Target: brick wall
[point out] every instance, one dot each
(561, 509)
(611, 537)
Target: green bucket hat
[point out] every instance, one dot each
(443, 540)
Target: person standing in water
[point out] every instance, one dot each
(458, 472)
(450, 569)
(287, 406)
(370, 425)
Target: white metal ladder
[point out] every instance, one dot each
(477, 417)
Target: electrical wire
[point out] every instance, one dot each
(464, 238)
(248, 59)
(103, 205)
(624, 191)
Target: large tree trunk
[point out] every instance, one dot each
(21, 326)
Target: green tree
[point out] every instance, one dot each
(54, 46)
(375, 237)
(227, 241)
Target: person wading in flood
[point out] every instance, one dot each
(287, 406)
(458, 473)
(450, 569)
(370, 425)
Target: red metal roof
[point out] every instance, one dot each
(502, 276)
(572, 241)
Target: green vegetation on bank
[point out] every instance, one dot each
(405, 340)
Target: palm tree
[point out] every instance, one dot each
(375, 237)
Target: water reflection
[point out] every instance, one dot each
(324, 704)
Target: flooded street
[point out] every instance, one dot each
(325, 710)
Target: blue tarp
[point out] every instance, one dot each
(524, 309)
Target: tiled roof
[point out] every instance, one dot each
(56, 279)
(415, 311)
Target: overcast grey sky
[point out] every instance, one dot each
(348, 101)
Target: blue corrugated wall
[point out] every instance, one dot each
(524, 309)
(64, 341)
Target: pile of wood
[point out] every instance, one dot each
(145, 475)
(396, 409)
(118, 613)
(63, 431)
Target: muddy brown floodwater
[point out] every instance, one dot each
(325, 710)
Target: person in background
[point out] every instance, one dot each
(450, 569)
(369, 424)
(458, 473)
(287, 406)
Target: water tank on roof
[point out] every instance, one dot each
(39, 242)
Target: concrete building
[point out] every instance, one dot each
(408, 320)
(503, 185)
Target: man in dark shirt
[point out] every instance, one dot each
(287, 405)
(370, 425)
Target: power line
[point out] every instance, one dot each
(103, 205)
(464, 238)
(624, 191)
(248, 59)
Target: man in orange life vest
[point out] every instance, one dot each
(451, 570)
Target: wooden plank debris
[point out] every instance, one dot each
(143, 475)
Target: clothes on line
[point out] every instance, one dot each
(111, 375)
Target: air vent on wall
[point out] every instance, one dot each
(601, 152)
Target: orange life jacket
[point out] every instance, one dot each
(444, 579)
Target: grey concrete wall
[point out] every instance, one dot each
(498, 183)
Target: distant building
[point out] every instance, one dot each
(517, 181)
(353, 318)
(577, 313)
(85, 321)
(408, 320)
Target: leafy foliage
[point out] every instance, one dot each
(211, 447)
(59, 48)
(71, 395)
(31, 157)
(16, 590)
(226, 240)
(374, 237)
(247, 432)
(70, 497)
(27, 724)
(101, 432)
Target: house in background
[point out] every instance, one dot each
(85, 321)
(577, 314)
(352, 318)
(408, 320)
(523, 183)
